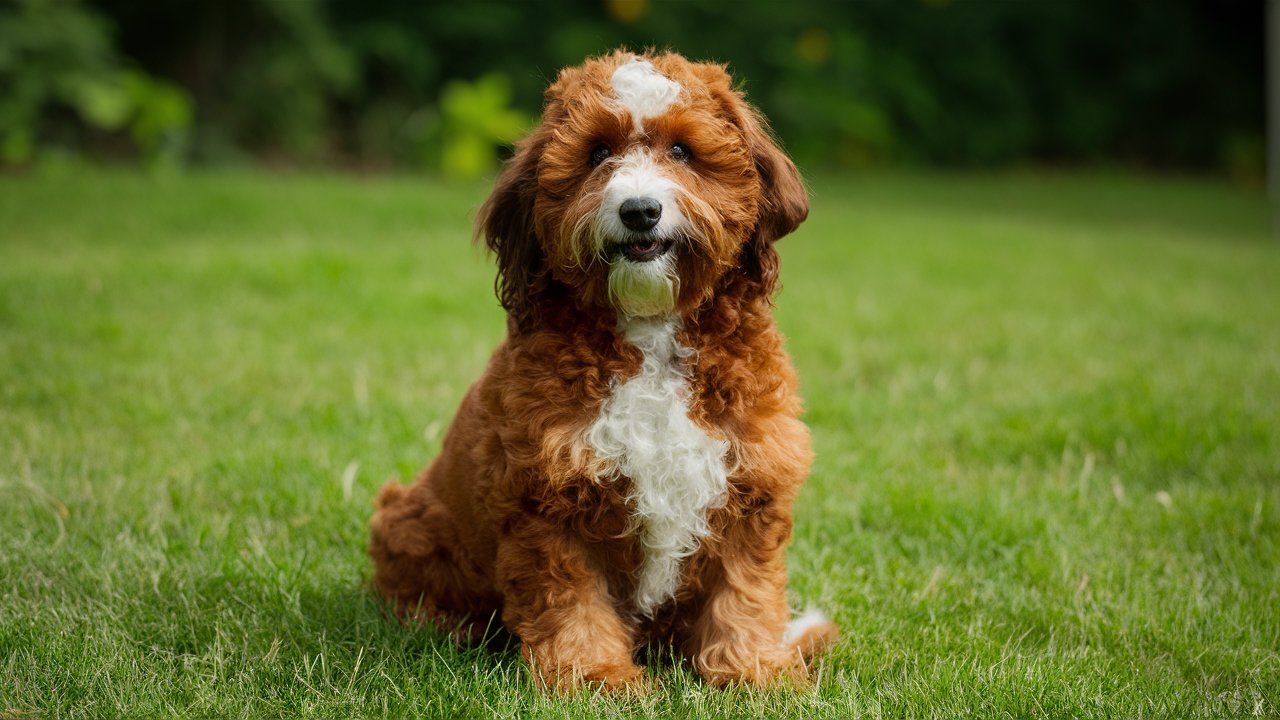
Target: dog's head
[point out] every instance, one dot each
(648, 182)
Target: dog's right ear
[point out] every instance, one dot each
(506, 222)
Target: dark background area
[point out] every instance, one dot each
(383, 84)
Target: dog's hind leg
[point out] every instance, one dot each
(421, 565)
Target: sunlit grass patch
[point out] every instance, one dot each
(1044, 409)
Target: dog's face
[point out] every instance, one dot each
(648, 180)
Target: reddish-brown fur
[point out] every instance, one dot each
(511, 517)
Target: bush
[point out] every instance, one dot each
(845, 84)
(60, 71)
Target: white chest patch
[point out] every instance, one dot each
(643, 91)
(677, 471)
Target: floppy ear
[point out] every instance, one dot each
(783, 203)
(506, 222)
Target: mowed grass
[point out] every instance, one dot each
(1046, 410)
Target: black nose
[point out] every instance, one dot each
(640, 213)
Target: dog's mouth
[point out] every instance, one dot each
(642, 250)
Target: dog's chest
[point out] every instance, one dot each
(676, 469)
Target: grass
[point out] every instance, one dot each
(1046, 410)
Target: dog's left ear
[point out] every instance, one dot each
(784, 204)
(783, 201)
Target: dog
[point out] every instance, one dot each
(624, 470)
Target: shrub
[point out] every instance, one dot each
(59, 69)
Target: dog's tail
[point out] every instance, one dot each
(390, 494)
(809, 635)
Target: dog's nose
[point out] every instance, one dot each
(640, 213)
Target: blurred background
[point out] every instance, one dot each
(444, 87)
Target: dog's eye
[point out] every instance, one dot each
(599, 154)
(681, 152)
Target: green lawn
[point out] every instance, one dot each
(1046, 410)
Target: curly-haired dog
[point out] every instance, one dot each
(624, 470)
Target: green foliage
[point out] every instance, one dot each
(845, 84)
(477, 119)
(279, 96)
(48, 50)
(162, 113)
(55, 56)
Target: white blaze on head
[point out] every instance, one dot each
(639, 289)
(643, 91)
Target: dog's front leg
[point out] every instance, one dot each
(737, 635)
(557, 602)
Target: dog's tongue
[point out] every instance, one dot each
(641, 251)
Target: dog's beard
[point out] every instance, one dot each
(644, 289)
(636, 288)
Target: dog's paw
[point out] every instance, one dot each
(765, 672)
(785, 662)
(568, 677)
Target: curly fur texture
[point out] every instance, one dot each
(623, 472)
(676, 471)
